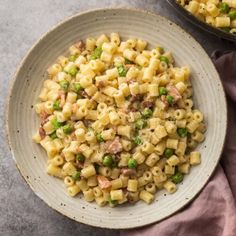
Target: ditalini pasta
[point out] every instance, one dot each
(218, 13)
(118, 121)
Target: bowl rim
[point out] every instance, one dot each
(27, 54)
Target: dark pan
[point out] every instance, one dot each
(219, 33)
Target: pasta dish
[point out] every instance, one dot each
(117, 121)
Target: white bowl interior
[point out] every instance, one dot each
(22, 120)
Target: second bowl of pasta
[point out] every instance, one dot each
(216, 17)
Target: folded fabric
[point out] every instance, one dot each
(213, 212)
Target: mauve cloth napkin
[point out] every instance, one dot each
(213, 212)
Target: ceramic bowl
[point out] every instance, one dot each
(22, 120)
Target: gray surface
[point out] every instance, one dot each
(22, 23)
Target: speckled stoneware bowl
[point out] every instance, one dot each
(22, 121)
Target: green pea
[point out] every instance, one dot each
(170, 99)
(64, 84)
(56, 125)
(53, 135)
(162, 91)
(177, 178)
(107, 161)
(56, 105)
(147, 113)
(132, 163)
(73, 71)
(232, 15)
(121, 71)
(72, 58)
(168, 152)
(182, 132)
(140, 124)
(127, 61)
(224, 7)
(76, 175)
(99, 138)
(80, 157)
(77, 87)
(67, 129)
(165, 59)
(137, 140)
(96, 53)
(112, 202)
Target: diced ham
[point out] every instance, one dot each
(116, 158)
(135, 98)
(128, 172)
(44, 117)
(133, 109)
(42, 132)
(79, 164)
(62, 96)
(73, 136)
(73, 117)
(173, 91)
(84, 94)
(133, 106)
(80, 45)
(147, 104)
(113, 146)
(163, 99)
(44, 121)
(87, 123)
(100, 84)
(103, 182)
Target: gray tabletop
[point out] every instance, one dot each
(22, 22)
